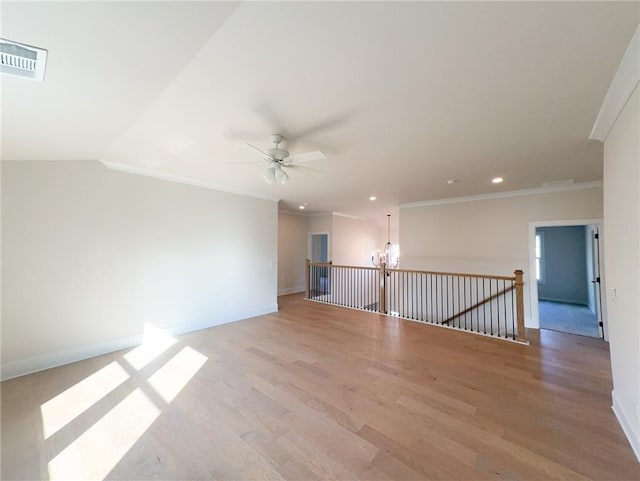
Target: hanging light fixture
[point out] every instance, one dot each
(390, 256)
(276, 174)
(270, 175)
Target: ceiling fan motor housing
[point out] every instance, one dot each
(278, 154)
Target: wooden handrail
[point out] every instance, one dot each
(385, 283)
(329, 264)
(482, 302)
(307, 277)
(459, 274)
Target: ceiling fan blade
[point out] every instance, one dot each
(304, 167)
(261, 151)
(307, 157)
(254, 162)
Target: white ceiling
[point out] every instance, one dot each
(400, 97)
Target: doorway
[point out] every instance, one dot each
(319, 252)
(567, 279)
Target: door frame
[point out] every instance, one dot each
(310, 244)
(533, 283)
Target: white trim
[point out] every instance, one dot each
(318, 214)
(543, 267)
(534, 320)
(564, 301)
(500, 195)
(623, 419)
(294, 213)
(60, 358)
(622, 86)
(156, 174)
(349, 216)
(290, 290)
(310, 246)
(337, 214)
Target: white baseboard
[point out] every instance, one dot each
(563, 301)
(624, 419)
(67, 356)
(290, 290)
(529, 323)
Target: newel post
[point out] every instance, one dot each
(307, 277)
(520, 305)
(383, 288)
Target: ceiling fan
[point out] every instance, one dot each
(279, 160)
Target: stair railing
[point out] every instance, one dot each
(484, 304)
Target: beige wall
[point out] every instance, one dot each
(354, 240)
(292, 251)
(351, 239)
(322, 223)
(622, 262)
(90, 254)
(489, 236)
(351, 242)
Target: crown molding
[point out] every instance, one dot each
(349, 216)
(319, 214)
(622, 86)
(290, 212)
(131, 169)
(500, 195)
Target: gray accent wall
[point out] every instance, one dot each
(565, 265)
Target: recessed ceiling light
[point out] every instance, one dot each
(452, 181)
(372, 198)
(301, 207)
(497, 180)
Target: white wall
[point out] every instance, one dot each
(622, 262)
(90, 254)
(292, 252)
(487, 236)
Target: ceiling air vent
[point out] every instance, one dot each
(22, 60)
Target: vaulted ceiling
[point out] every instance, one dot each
(400, 97)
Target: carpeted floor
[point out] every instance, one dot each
(570, 318)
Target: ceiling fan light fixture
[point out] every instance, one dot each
(270, 175)
(277, 158)
(281, 176)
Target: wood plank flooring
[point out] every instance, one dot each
(320, 392)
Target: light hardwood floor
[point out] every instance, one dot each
(319, 392)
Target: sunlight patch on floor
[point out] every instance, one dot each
(66, 406)
(169, 380)
(154, 343)
(97, 451)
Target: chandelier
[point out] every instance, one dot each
(390, 256)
